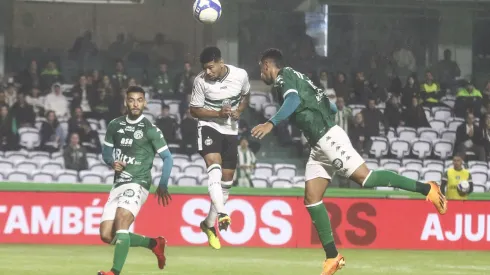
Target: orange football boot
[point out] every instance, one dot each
(332, 265)
(437, 198)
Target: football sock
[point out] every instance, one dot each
(141, 241)
(389, 178)
(122, 243)
(213, 214)
(320, 219)
(214, 187)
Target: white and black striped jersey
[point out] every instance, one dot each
(212, 95)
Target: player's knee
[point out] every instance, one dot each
(124, 218)
(312, 199)
(106, 237)
(360, 174)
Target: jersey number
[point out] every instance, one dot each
(320, 94)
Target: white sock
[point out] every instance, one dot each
(213, 214)
(214, 187)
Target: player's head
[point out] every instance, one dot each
(271, 62)
(135, 101)
(457, 162)
(212, 63)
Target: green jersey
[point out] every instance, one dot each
(135, 143)
(314, 116)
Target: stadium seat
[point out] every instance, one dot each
(441, 113)
(380, 146)
(479, 177)
(154, 107)
(449, 135)
(413, 164)
(108, 177)
(195, 157)
(175, 170)
(400, 147)
(448, 163)
(6, 165)
(286, 172)
(99, 167)
(259, 182)
(278, 182)
(200, 162)
(454, 123)
(422, 148)
(52, 165)
(270, 110)
(94, 123)
(158, 163)
(186, 180)
(87, 176)
(156, 179)
(479, 188)
(410, 173)
(448, 101)
(39, 122)
(299, 182)
(19, 176)
(478, 165)
(27, 165)
(434, 164)
(174, 107)
(391, 133)
(390, 164)
(43, 177)
(15, 156)
(428, 113)
(67, 176)
(372, 164)
(257, 100)
(406, 133)
(203, 179)
(432, 175)
(193, 170)
(442, 148)
(437, 124)
(427, 133)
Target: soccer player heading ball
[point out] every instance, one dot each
(135, 141)
(309, 109)
(219, 95)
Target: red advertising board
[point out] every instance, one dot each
(72, 218)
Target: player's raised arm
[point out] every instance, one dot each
(197, 102)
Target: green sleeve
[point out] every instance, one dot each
(109, 135)
(287, 81)
(14, 126)
(157, 140)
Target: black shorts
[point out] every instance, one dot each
(211, 141)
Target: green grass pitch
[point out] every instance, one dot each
(78, 260)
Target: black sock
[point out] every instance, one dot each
(422, 188)
(115, 272)
(152, 244)
(330, 250)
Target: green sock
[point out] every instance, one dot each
(141, 241)
(122, 243)
(388, 178)
(319, 216)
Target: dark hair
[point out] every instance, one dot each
(210, 54)
(135, 89)
(275, 55)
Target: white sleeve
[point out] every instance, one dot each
(245, 85)
(197, 97)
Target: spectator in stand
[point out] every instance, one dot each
(51, 134)
(411, 90)
(23, 112)
(414, 115)
(94, 80)
(362, 90)
(468, 138)
(246, 164)
(341, 88)
(359, 136)
(485, 128)
(29, 78)
(343, 118)
(452, 177)
(184, 80)
(372, 118)
(120, 48)
(393, 112)
(9, 139)
(90, 140)
(75, 156)
(324, 80)
(11, 94)
(168, 125)
(107, 86)
(132, 82)
(3, 98)
(77, 123)
(83, 46)
(468, 100)
(188, 129)
(430, 92)
(447, 71)
(101, 105)
(486, 94)
(162, 85)
(119, 79)
(50, 75)
(35, 99)
(57, 102)
(404, 61)
(83, 96)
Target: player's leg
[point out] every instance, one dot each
(229, 155)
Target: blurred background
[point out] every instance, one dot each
(409, 78)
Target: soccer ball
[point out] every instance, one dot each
(464, 187)
(207, 11)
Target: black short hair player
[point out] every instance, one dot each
(271, 62)
(212, 63)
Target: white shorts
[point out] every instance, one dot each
(130, 196)
(333, 153)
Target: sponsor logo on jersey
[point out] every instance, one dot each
(208, 141)
(125, 177)
(223, 87)
(129, 129)
(138, 134)
(124, 158)
(126, 142)
(122, 123)
(120, 131)
(141, 125)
